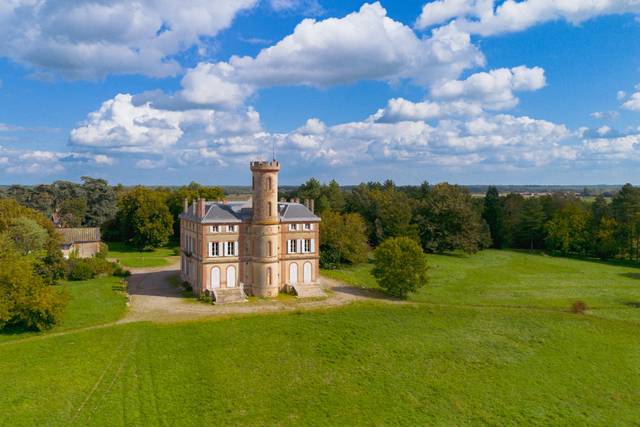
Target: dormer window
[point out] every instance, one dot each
(232, 229)
(214, 229)
(307, 226)
(293, 227)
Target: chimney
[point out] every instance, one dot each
(185, 205)
(200, 207)
(312, 205)
(194, 207)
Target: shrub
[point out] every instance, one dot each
(579, 307)
(80, 269)
(400, 266)
(121, 272)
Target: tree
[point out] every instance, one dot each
(493, 216)
(342, 239)
(72, 212)
(530, 225)
(27, 235)
(625, 208)
(447, 220)
(144, 218)
(48, 263)
(25, 299)
(101, 201)
(334, 195)
(602, 230)
(567, 230)
(400, 266)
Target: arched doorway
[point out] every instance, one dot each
(293, 273)
(215, 278)
(306, 269)
(231, 277)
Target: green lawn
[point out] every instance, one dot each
(133, 257)
(468, 352)
(510, 278)
(92, 302)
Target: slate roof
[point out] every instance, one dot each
(79, 235)
(237, 212)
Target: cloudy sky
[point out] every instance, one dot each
(467, 91)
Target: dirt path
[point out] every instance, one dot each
(153, 298)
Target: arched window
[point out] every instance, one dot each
(270, 248)
(269, 279)
(268, 183)
(269, 208)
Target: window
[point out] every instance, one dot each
(214, 229)
(269, 209)
(292, 246)
(270, 248)
(307, 226)
(307, 246)
(269, 280)
(230, 248)
(232, 229)
(269, 183)
(293, 227)
(214, 249)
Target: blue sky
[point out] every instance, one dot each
(465, 91)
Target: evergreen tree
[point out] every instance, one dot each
(493, 216)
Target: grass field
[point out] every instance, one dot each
(468, 351)
(133, 257)
(92, 302)
(508, 278)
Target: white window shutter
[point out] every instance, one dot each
(313, 246)
(300, 246)
(235, 248)
(224, 248)
(288, 246)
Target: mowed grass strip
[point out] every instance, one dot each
(360, 365)
(520, 279)
(129, 256)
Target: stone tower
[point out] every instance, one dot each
(265, 229)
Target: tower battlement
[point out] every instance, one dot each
(263, 165)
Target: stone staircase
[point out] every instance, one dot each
(308, 290)
(229, 295)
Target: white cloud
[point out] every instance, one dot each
(45, 162)
(364, 45)
(122, 125)
(493, 89)
(400, 109)
(486, 18)
(621, 95)
(88, 39)
(603, 115)
(633, 102)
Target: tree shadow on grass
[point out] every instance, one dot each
(631, 275)
(633, 304)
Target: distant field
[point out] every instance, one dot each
(489, 341)
(133, 257)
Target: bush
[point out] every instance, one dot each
(80, 269)
(400, 266)
(579, 307)
(121, 272)
(88, 268)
